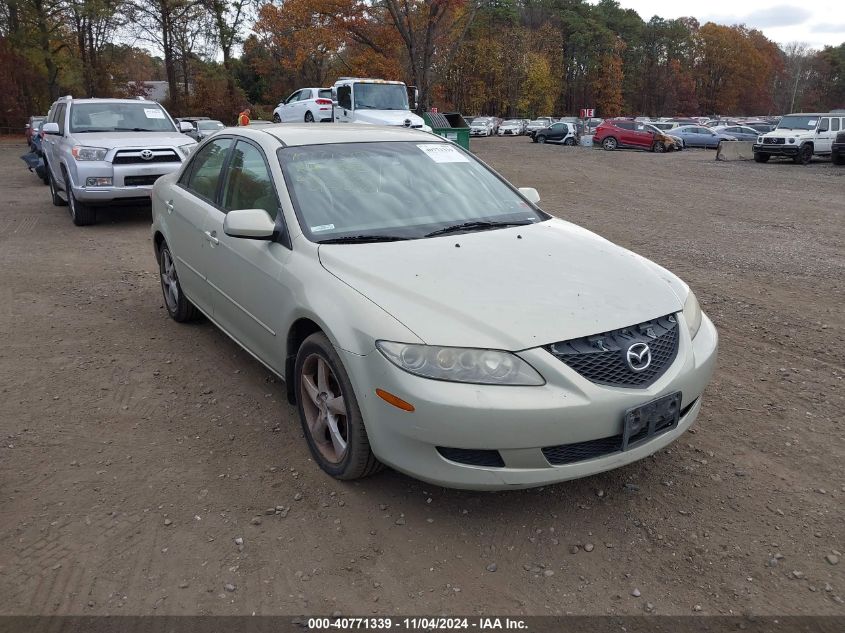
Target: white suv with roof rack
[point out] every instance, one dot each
(800, 137)
(106, 151)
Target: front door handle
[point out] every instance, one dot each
(169, 205)
(212, 237)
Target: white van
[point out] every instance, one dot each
(800, 137)
(374, 102)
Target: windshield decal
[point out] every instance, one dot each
(443, 153)
(154, 113)
(322, 227)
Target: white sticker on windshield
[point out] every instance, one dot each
(154, 113)
(443, 153)
(812, 121)
(322, 227)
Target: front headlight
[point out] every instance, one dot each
(80, 152)
(460, 364)
(188, 149)
(692, 314)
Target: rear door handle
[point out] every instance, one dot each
(169, 205)
(212, 237)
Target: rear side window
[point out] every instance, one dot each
(203, 175)
(834, 125)
(305, 95)
(248, 181)
(625, 125)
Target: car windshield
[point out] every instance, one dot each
(381, 96)
(480, 121)
(538, 122)
(210, 125)
(400, 190)
(798, 123)
(119, 117)
(324, 93)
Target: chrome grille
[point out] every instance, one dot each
(133, 156)
(601, 358)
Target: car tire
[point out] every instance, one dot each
(343, 451)
(82, 214)
(277, 118)
(658, 147)
(761, 158)
(837, 159)
(570, 142)
(804, 155)
(541, 139)
(610, 143)
(177, 304)
(54, 191)
(309, 118)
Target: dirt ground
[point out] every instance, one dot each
(134, 451)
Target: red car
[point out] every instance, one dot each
(615, 133)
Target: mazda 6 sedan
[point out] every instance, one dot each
(424, 313)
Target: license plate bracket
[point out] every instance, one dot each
(655, 417)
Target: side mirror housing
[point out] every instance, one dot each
(184, 127)
(253, 224)
(530, 194)
(50, 128)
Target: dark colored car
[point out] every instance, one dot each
(559, 132)
(616, 133)
(761, 126)
(700, 136)
(837, 150)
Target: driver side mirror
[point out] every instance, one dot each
(50, 128)
(184, 126)
(822, 128)
(253, 224)
(530, 194)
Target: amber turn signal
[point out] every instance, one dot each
(396, 401)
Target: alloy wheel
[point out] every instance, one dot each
(325, 408)
(169, 281)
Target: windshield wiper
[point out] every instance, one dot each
(94, 129)
(363, 239)
(476, 224)
(135, 129)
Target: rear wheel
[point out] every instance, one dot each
(54, 190)
(309, 118)
(609, 144)
(177, 304)
(761, 158)
(329, 413)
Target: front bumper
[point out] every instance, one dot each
(518, 422)
(776, 150)
(122, 176)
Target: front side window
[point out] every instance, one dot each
(380, 96)
(395, 189)
(248, 181)
(203, 174)
(293, 97)
(119, 117)
(305, 95)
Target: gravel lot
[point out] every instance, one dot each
(140, 458)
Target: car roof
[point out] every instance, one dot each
(319, 134)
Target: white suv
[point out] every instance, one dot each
(308, 105)
(800, 137)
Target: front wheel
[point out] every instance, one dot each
(609, 144)
(570, 142)
(804, 155)
(329, 413)
(761, 158)
(541, 139)
(658, 147)
(277, 118)
(81, 214)
(837, 159)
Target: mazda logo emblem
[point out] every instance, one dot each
(638, 356)
(146, 154)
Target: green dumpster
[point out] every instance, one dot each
(450, 125)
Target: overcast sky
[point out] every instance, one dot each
(814, 22)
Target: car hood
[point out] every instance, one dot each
(133, 139)
(387, 117)
(784, 133)
(513, 288)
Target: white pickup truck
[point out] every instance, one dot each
(374, 102)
